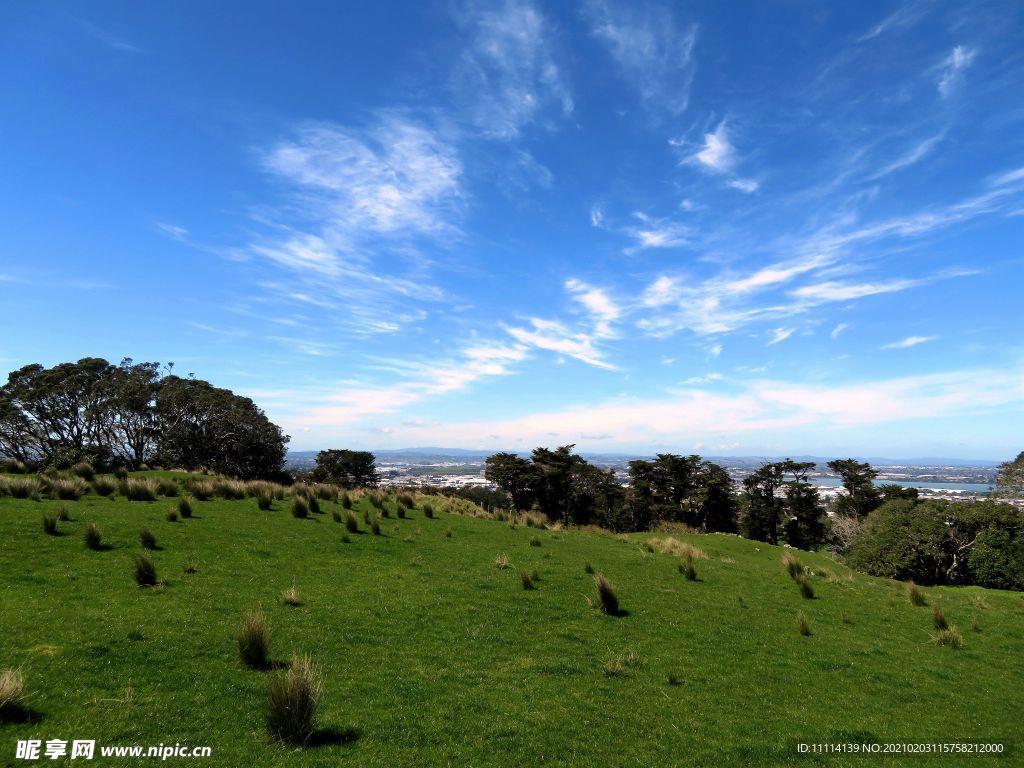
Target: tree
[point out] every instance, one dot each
(514, 475)
(861, 494)
(558, 495)
(350, 469)
(1010, 477)
(133, 427)
(806, 526)
(717, 492)
(763, 507)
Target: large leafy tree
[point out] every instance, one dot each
(1010, 477)
(516, 476)
(763, 505)
(806, 526)
(858, 480)
(350, 469)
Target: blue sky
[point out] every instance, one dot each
(724, 228)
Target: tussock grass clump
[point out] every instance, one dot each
(167, 486)
(253, 636)
(93, 537)
(915, 594)
(103, 486)
(351, 524)
(172, 516)
(84, 470)
(428, 511)
(145, 571)
(293, 697)
(24, 487)
(375, 527)
(63, 515)
(804, 583)
(50, 525)
(501, 562)
(140, 489)
(147, 539)
(687, 568)
(384, 511)
(121, 473)
(346, 539)
(793, 566)
(448, 533)
(299, 507)
(13, 466)
(314, 505)
(346, 500)
(264, 501)
(12, 693)
(607, 596)
(527, 581)
(803, 624)
(69, 489)
(407, 501)
(939, 618)
(184, 507)
(618, 664)
(400, 512)
(534, 541)
(201, 489)
(949, 636)
(675, 548)
(327, 492)
(336, 516)
(587, 567)
(291, 597)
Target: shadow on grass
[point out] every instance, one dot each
(325, 737)
(19, 714)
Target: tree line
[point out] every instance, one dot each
(132, 415)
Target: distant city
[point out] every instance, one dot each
(937, 478)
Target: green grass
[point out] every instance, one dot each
(430, 655)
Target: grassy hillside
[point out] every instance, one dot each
(431, 655)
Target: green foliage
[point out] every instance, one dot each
(534, 541)
(293, 696)
(804, 584)
(172, 516)
(1010, 477)
(862, 497)
(104, 486)
(939, 617)
(253, 638)
(915, 594)
(349, 469)
(167, 486)
(997, 559)
(336, 516)
(375, 527)
(428, 511)
(145, 571)
(346, 500)
(84, 470)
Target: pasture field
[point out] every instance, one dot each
(432, 655)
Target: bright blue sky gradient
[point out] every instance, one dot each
(715, 227)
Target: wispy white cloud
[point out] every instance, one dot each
(744, 185)
(952, 69)
(705, 379)
(172, 231)
(717, 153)
(840, 327)
(910, 341)
(912, 156)
(508, 76)
(780, 334)
(908, 14)
(554, 336)
(597, 303)
(653, 49)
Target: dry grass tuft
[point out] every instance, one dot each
(12, 693)
(501, 562)
(253, 638)
(793, 566)
(915, 594)
(291, 597)
(294, 695)
(939, 618)
(949, 636)
(607, 596)
(803, 624)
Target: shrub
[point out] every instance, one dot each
(346, 500)
(916, 594)
(84, 470)
(527, 581)
(501, 562)
(534, 541)
(50, 525)
(327, 492)
(172, 516)
(93, 537)
(202, 490)
(294, 695)
(140, 489)
(375, 527)
(184, 507)
(145, 571)
(12, 691)
(351, 524)
(69, 489)
(609, 600)
(336, 516)
(24, 487)
(121, 473)
(291, 597)
(806, 590)
(687, 568)
(949, 636)
(103, 486)
(428, 511)
(264, 501)
(167, 486)
(803, 624)
(299, 507)
(792, 565)
(230, 489)
(253, 637)
(939, 618)
(147, 539)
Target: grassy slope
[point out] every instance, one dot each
(437, 658)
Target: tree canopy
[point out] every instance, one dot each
(349, 469)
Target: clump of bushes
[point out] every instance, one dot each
(407, 501)
(147, 539)
(184, 507)
(13, 466)
(93, 537)
(69, 489)
(103, 486)
(140, 489)
(293, 697)
(84, 470)
(299, 507)
(608, 599)
(401, 512)
(12, 693)
(229, 489)
(50, 525)
(587, 567)
(145, 571)
(253, 638)
(121, 473)
(351, 524)
(63, 514)
(314, 505)
(803, 624)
